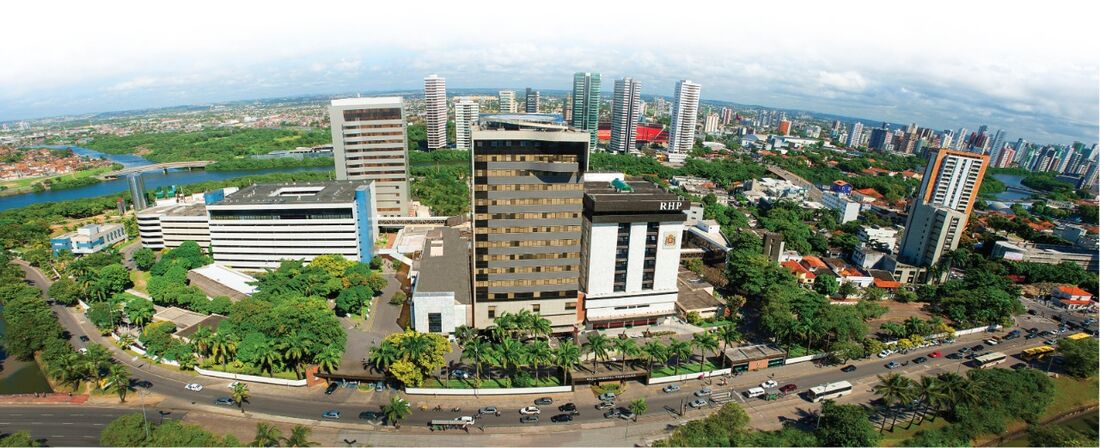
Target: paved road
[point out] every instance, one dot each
(63, 426)
(311, 403)
(1046, 309)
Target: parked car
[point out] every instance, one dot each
(460, 374)
(754, 392)
(606, 396)
(1031, 312)
(954, 356)
(562, 418)
(990, 342)
(331, 388)
(84, 338)
(604, 405)
(1030, 336)
(964, 350)
(978, 348)
(703, 392)
(464, 419)
(611, 413)
(569, 408)
(331, 414)
(769, 384)
(919, 360)
(530, 410)
(371, 416)
(848, 368)
(892, 365)
(935, 354)
(698, 403)
(1019, 365)
(884, 353)
(671, 388)
(788, 388)
(224, 401)
(529, 419)
(487, 410)
(626, 414)
(193, 387)
(544, 401)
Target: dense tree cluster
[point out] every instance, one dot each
(838, 425)
(226, 146)
(136, 430)
(1080, 357)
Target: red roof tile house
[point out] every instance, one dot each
(800, 272)
(1072, 297)
(813, 263)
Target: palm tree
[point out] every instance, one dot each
(539, 353)
(626, 349)
(523, 322)
(510, 353)
(266, 435)
(396, 410)
(126, 340)
(653, 350)
(414, 346)
(638, 407)
(202, 339)
(299, 436)
(465, 334)
(541, 326)
(381, 356)
(328, 360)
(706, 342)
(728, 334)
(268, 358)
(957, 390)
(293, 351)
(119, 378)
(222, 348)
(240, 394)
(893, 389)
(938, 399)
(681, 350)
(567, 357)
(925, 389)
(597, 345)
(67, 370)
(475, 350)
(95, 361)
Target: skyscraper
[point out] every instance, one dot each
(369, 143)
(532, 101)
(466, 113)
(784, 127)
(507, 100)
(939, 213)
(727, 116)
(586, 104)
(880, 138)
(435, 111)
(961, 139)
(137, 191)
(856, 136)
(685, 113)
(625, 113)
(996, 144)
(527, 204)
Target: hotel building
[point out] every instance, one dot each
(938, 216)
(369, 144)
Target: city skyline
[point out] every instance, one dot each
(1041, 87)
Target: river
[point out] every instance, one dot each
(19, 377)
(1015, 190)
(153, 179)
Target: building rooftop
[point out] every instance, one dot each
(229, 278)
(294, 193)
(631, 195)
(738, 355)
(444, 264)
(367, 101)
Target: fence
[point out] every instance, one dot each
(688, 376)
(250, 378)
(490, 391)
(799, 359)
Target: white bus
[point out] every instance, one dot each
(989, 360)
(829, 391)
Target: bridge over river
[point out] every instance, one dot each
(156, 167)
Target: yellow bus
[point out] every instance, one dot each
(1037, 352)
(1078, 336)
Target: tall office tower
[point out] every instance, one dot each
(586, 104)
(685, 113)
(961, 139)
(626, 110)
(1073, 163)
(567, 109)
(532, 101)
(369, 143)
(836, 126)
(856, 134)
(937, 219)
(710, 124)
(527, 205)
(727, 116)
(880, 138)
(996, 143)
(947, 139)
(435, 111)
(466, 113)
(137, 191)
(1089, 178)
(784, 127)
(507, 100)
(1005, 158)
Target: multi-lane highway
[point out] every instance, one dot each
(63, 426)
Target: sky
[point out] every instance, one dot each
(1032, 68)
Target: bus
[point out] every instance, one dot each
(1037, 352)
(1078, 336)
(989, 360)
(829, 391)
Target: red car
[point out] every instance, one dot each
(935, 354)
(788, 388)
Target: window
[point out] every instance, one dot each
(492, 312)
(570, 306)
(435, 323)
(535, 308)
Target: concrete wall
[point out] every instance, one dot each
(250, 378)
(510, 391)
(687, 376)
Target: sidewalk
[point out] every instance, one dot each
(52, 398)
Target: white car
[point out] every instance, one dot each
(464, 419)
(990, 342)
(698, 403)
(883, 353)
(769, 384)
(530, 410)
(193, 387)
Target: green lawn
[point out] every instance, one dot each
(688, 367)
(435, 383)
(900, 434)
(140, 280)
(1072, 393)
(229, 369)
(19, 185)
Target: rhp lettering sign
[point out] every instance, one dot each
(673, 205)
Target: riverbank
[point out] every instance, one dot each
(59, 182)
